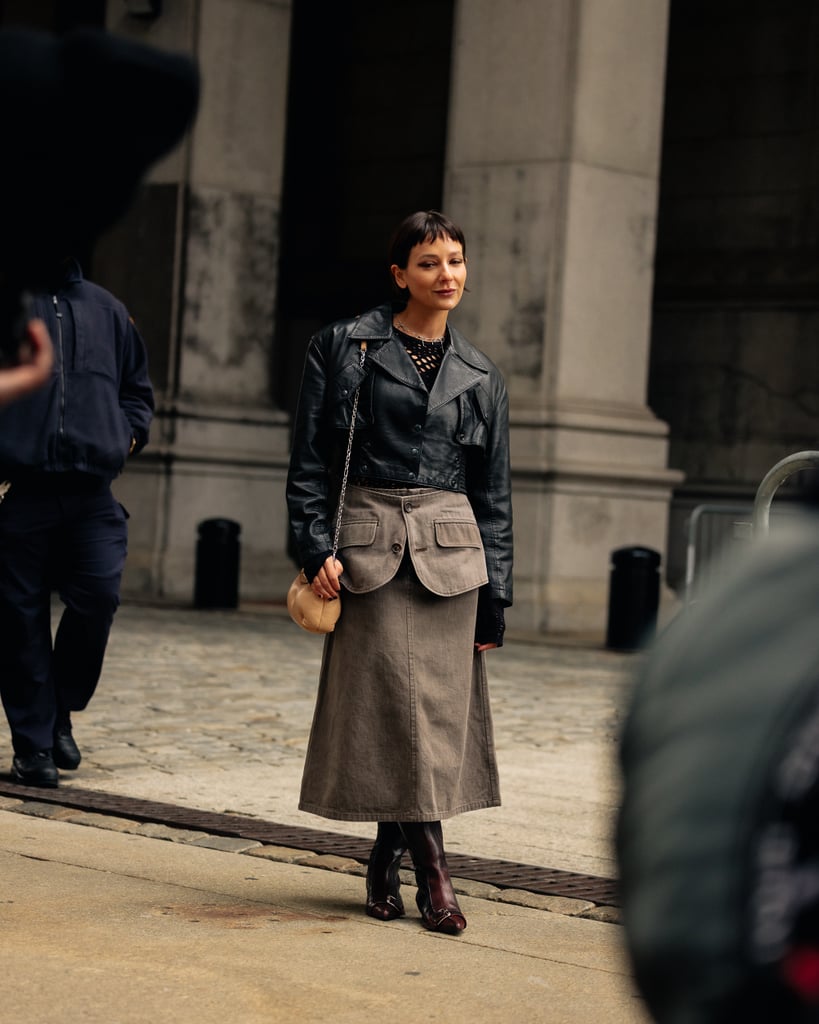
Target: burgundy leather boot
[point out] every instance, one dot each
(436, 897)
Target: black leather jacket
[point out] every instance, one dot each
(454, 438)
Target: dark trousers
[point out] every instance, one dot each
(70, 536)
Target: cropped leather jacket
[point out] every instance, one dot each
(452, 438)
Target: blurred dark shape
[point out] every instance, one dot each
(82, 117)
(718, 832)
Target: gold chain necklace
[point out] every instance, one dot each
(403, 327)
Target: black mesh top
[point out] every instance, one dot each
(427, 355)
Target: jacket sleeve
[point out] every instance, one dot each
(136, 395)
(309, 478)
(489, 488)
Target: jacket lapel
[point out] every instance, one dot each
(392, 358)
(375, 327)
(463, 367)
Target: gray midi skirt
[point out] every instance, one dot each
(402, 729)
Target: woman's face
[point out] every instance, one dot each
(435, 275)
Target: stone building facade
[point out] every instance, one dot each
(648, 369)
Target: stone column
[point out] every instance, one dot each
(552, 168)
(218, 447)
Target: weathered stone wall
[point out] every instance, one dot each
(552, 166)
(199, 255)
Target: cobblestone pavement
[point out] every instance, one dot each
(212, 710)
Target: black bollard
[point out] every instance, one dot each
(217, 564)
(634, 598)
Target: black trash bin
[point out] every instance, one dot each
(634, 597)
(217, 564)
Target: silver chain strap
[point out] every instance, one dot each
(346, 473)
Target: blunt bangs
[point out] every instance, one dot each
(420, 227)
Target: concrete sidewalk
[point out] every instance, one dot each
(211, 710)
(113, 928)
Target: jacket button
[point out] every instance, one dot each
(411, 476)
(396, 548)
(417, 428)
(461, 437)
(413, 451)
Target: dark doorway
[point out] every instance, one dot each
(367, 123)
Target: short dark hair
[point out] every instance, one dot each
(415, 229)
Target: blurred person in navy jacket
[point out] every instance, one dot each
(60, 526)
(82, 117)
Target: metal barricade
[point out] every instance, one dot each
(716, 532)
(772, 480)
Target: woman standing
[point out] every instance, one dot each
(402, 732)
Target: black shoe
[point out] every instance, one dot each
(37, 769)
(66, 752)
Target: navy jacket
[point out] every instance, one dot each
(454, 438)
(99, 398)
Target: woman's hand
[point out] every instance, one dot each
(326, 582)
(489, 621)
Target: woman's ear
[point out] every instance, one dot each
(398, 276)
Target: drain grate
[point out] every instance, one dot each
(502, 873)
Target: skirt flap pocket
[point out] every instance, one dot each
(457, 533)
(357, 533)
